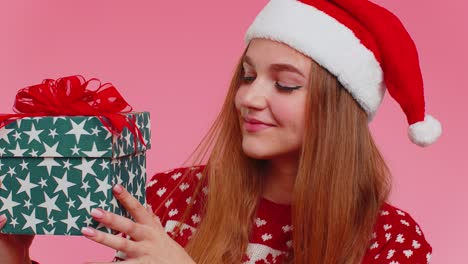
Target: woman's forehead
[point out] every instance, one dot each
(267, 52)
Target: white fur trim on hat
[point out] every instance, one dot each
(330, 43)
(424, 133)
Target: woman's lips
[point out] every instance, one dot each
(251, 127)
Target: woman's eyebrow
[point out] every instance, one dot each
(276, 67)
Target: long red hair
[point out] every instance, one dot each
(341, 184)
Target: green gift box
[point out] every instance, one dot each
(55, 169)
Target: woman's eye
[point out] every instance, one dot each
(287, 88)
(248, 79)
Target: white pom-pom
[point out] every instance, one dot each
(426, 132)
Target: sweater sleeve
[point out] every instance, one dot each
(400, 240)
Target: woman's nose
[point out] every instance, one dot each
(255, 95)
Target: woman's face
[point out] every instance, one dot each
(272, 90)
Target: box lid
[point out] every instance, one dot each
(71, 136)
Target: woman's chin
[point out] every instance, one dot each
(257, 153)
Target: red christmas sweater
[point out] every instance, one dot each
(397, 238)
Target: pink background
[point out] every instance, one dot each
(175, 60)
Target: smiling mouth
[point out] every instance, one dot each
(252, 127)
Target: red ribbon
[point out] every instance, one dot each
(70, 96)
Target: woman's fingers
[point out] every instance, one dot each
(116, 242)
(134, 207)
(149, 209)
(121, 224)
(2, 221)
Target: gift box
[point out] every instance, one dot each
(55, 169)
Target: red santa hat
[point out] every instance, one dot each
(364, 45)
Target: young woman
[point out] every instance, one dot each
(293, 174)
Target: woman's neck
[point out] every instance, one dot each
(280, 174)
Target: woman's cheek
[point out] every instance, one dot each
(238, 96)
(283, 111)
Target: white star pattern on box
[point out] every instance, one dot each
(46, 232)
(33, 153)
(26, 185)
(18, 121)
(78, 130)
(103, 186)
(70, 203)
(8, 203)
(24, 165)
(18, 152)
(143, 168)
(17, 135)
(51, 221)
(57, 118)
(31, 221)
(96, 131)
(138, 192)
(13, 222)
(63, 184)
(114, 202)
(27, 203)
(119, 178)
(87, 221)
(53, 133)
(128, 139)
(85, 186)
(51, 151)
(4, 132)
(70, 221)
(67, 164)
(50, 204)
(49, 163)
(103, 204)
(108, 134)
(64, 172)
(2, 179)
(131, 176)
(75, 150)
(94, 152)
(86, 167)
(34, 134)
(86, 203)
(43, 183)
(11, 171)
(104, 165)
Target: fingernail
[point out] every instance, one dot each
(118, 188)
(88, 231)
(2, 218)
(97, 213)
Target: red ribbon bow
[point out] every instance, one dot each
(70, 96)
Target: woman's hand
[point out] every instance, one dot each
(14, 249)
(151, 243)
